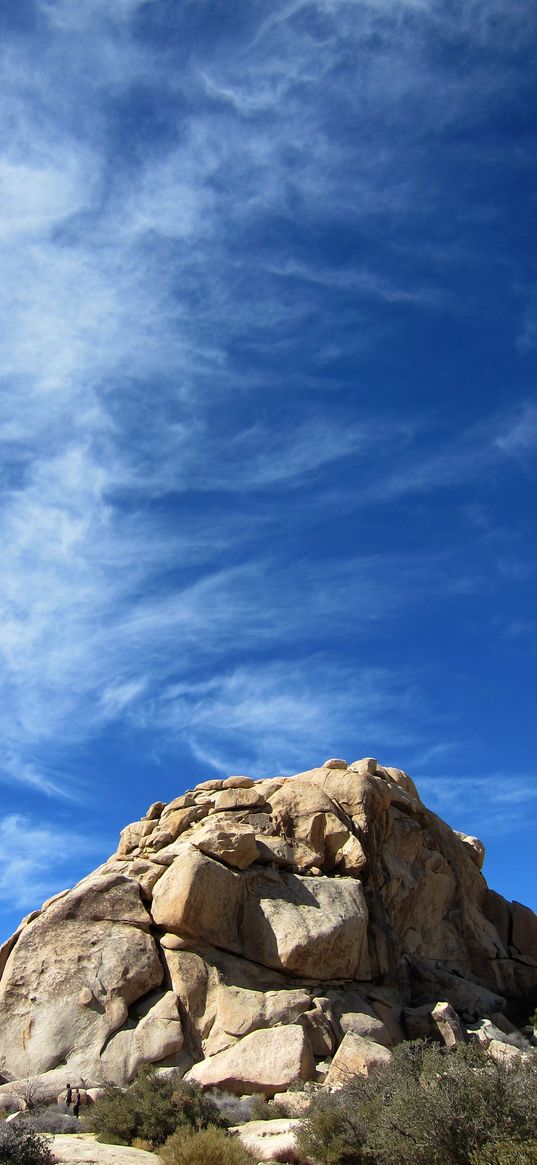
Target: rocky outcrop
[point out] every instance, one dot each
(257, 932)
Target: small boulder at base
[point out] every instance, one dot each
(356, 1056)
(272, 1140)
(264, 1061)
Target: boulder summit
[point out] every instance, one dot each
(254, 933)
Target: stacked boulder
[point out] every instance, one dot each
(254, 933)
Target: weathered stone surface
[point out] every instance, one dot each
(239, 798)
(269, 1140)
(331, 906)
(241, 1011)
(356, 1057)
(233, 844)
(310, 926)
(264, 1061)
(84, 1149)
(238, 783)
(447, 1021)
(199, 897)
(157, 1035)
(296, 1103)
(95, 939)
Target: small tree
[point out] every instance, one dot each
(151, 1109)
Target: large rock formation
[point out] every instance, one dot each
(330, 907)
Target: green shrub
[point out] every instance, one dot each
(506, 1153)
(333, 1132)
(262, 1109)
(211, 1146)
(50, 1119)
(195, 1108)
(150, 1109)
(18, 1146)
(428, 1107)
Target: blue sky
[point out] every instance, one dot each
(269, 422)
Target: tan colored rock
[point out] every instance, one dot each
(356, 1057)
(265, 1061)
(368, 764)
(309, 926)
(240, 798)
(146, 874)
(10, 1103)
(173, 824)
(296, 1103)
(133, 835)
(449, 1026)
(352, 1013)
(195, 984)
(158, 1035)
(401, 778)
(257, 897)
(154, 811)
(233, 844)
(362, 796)
(238, 783)
(241, 1011)
(95, 938)
(486, 1031)
(306, 814)
(503, 1053)
(334, 762)
(390, 1016)
(317, 1023)
(268, 1140)
(185, 801)
(200, 898)
(84, 1149)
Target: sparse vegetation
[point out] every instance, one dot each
(262, 1109)
(506, 1153)
(210, 1146)
(427, 1108)
(50, 1119)
(19, 1146)
(152, 1108)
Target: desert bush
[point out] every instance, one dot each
(141, 1143)
(18, 1146)
(506, 1153)
(151, 1108)
(195, 1108)
(427, 1107)
(334, 1132)
(262, 1109)
(210, 1146)
(233, 1110)
(50, 1120)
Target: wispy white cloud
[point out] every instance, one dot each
(520, 436)
(492, 806)
(29, 868)
(286, 714)
(120, 314)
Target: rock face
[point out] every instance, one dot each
(252, 932)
